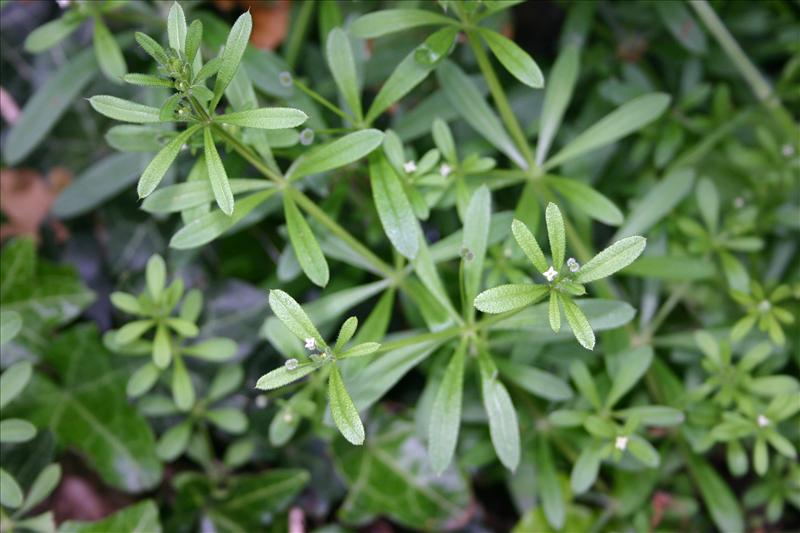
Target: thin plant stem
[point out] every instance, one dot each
(298, 34)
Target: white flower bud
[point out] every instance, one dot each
(409, 167)
(445, 170)
(550, 273)
(311, 343)
(621, 443)
(762, 421)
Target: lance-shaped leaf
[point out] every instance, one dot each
(48, 35)
(588, 200)
(394, 209)
(265, 118)
(578, 322)
(659, 201)
(176, 27)
(107, 51)
(343, 410)
(13, 380)
(503, 425)
(342, 65)
(548, 484)
(556, 98)
(194, 35)
(445, 417)
(585, 469)
(631, 366)
(155, 171)
(509, 297)
(616, 257)
(529, 246)
(556, 235)
(283, 375)
(181, 196)
(304, 243)
(293, 317)
(389, 21)
(407, 74)
(514, 59)
(626, 119)
(232, 54)
(338, 153)
(475, 237)
(217, 175)
(152, 48)
(124, 110)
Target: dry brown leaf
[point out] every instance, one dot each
(25, 200)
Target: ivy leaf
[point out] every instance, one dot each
(305, 245)
(556, 98)
(445, 417)
(503, 425)
(616, 257)
(578, 322)
(509, 297)
(626, 119)
(343, 410)
(293, 317)
(342, 65)
(155, 171)
(394, 209)
(514, 59)
(265, 118)
(556, 235)
(232, 54)
(388, 21)
(341, 152)
(109, 56)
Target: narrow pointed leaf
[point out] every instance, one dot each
(556, 235)
(509, 297)
(282, 376)
(529, 246)
(125, 110)
(394, 209)
(389, 21)
(265, 118)
(217, 175)
(475, 237)
(293, 317)
(343, 410)
(109, 56)
(503, 425)
(557, 95)
(155, 171)
(232, 54)
(176, 27)
(338, 153)
(578, 322)
(588, 200)
(304, 243)
(342, 65)
(445, 418)
(514, 59)
(616, 257)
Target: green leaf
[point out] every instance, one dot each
(585, 469)
(132, 331)
(13, 380)
(436, 46)
(293, 317)
(217, 175)
(578, 322)
(341, 152)
(360, 350)
(155, 171)
(556, 98)
(631, 366)
(194, 36)
(588, 200)
(388, 21)
(476, 235)
(720, 501)
(10, 493)
(47, 106)
(265, 118)
(142, 380)
(394, 210)
(44, 484)
(182, 389)
(162, 347)
(513, 58)
(445, 417)
(346, 333)
(125, 110)
(503, 425)
(152, 48)
(556, 235)
(671, 268)
(406, 75)
(174, 441)
(182, 196)
(130, 138)
(16, 430)
(548, 485)
(107, 51)
(654, 415)
(443, 138)
(616, 257)
(176, 27)
(537, 382)
(141, 517)
(10, 325)
(305, 245)
(228, 419)
(585, 384)
(465, 97)
(708, 203)
(342, 65)
(509, 297)
(215, 349)
(97, 184)
(156, 274)
(682, 26)
(626, 119)
(48, 35)
(643, 451)
(232, 53)
(84, 405)
(659, 201)
(529, 246)
(211, 225)
(283, 375)
(554, 312)
(343, 410)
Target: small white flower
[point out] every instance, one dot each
(306, 136)
(738, 202)
(445, 170)
(573, 265)
(621, 443)
(787, 150)
(285, 78)
(409, 167)
(311, 344)
(550, 273)
(762, 421)
(764, 306)
(291, 364)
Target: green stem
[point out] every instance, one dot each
(250, 156)
(312, 209)
(298, 34)
(314, 95)
(500, 99)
